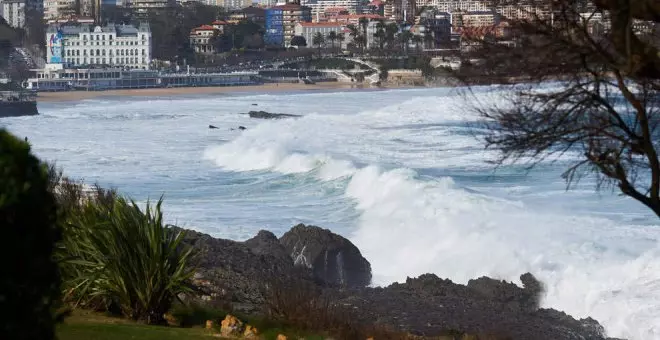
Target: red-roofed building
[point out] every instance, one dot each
(200, 39)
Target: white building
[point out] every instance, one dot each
(115, 45)
(320, 6)
(310, 29)
(455, 5)
(13, 11)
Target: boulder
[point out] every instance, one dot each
(231, 326)
(250, 332)
(269, 115)
(333, 259)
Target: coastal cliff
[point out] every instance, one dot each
(239, 274)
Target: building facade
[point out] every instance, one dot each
(281, 22)
(481, 19)
(143, 6)
(309, 29)
(57, 9)
(320, 7)
(114, 45)
(201, 39)
(234, 4)
(13, 11)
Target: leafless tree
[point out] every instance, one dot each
(584, 76)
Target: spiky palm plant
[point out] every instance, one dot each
(118, 256)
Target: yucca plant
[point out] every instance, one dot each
(118, 256)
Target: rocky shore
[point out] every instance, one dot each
(241, 273)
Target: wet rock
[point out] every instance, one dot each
(268, 115)
(333, 259)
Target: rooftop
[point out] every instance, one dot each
(77, 28)
(204, 28)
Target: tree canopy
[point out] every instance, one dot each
(602, 108)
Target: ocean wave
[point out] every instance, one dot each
(409, 224)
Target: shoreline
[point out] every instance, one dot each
(63, 96)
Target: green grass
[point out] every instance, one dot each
(86, 326)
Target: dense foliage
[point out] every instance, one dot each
(30, 281)
(117, 257)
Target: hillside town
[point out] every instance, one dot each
(67, 44)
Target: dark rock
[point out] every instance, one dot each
(238, 271)
(241, 128)
(213, 127)
(509, 294)
(241, 273)
(255, 104)
(430, 306)
(268, 115)
(333, 259)
(266, 243)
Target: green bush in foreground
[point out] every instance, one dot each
(30, 281)
(123, 259)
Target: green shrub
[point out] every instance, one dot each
(30, 282)
(119, 258)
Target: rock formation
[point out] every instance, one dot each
(333, 259)
(423, 306)
(268, 115)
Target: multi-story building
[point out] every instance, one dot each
(354, 19)
(319, 7)
(455, 5)
(234, 4)
(400, 10)
(281, 21)
(143, 6)
(13, 11)
(253, 14)
(480, 19)
(309, 29)
(57, 9)
(435, 28)
(201, 39)
(115, 45)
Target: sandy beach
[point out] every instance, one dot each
(279, 87)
